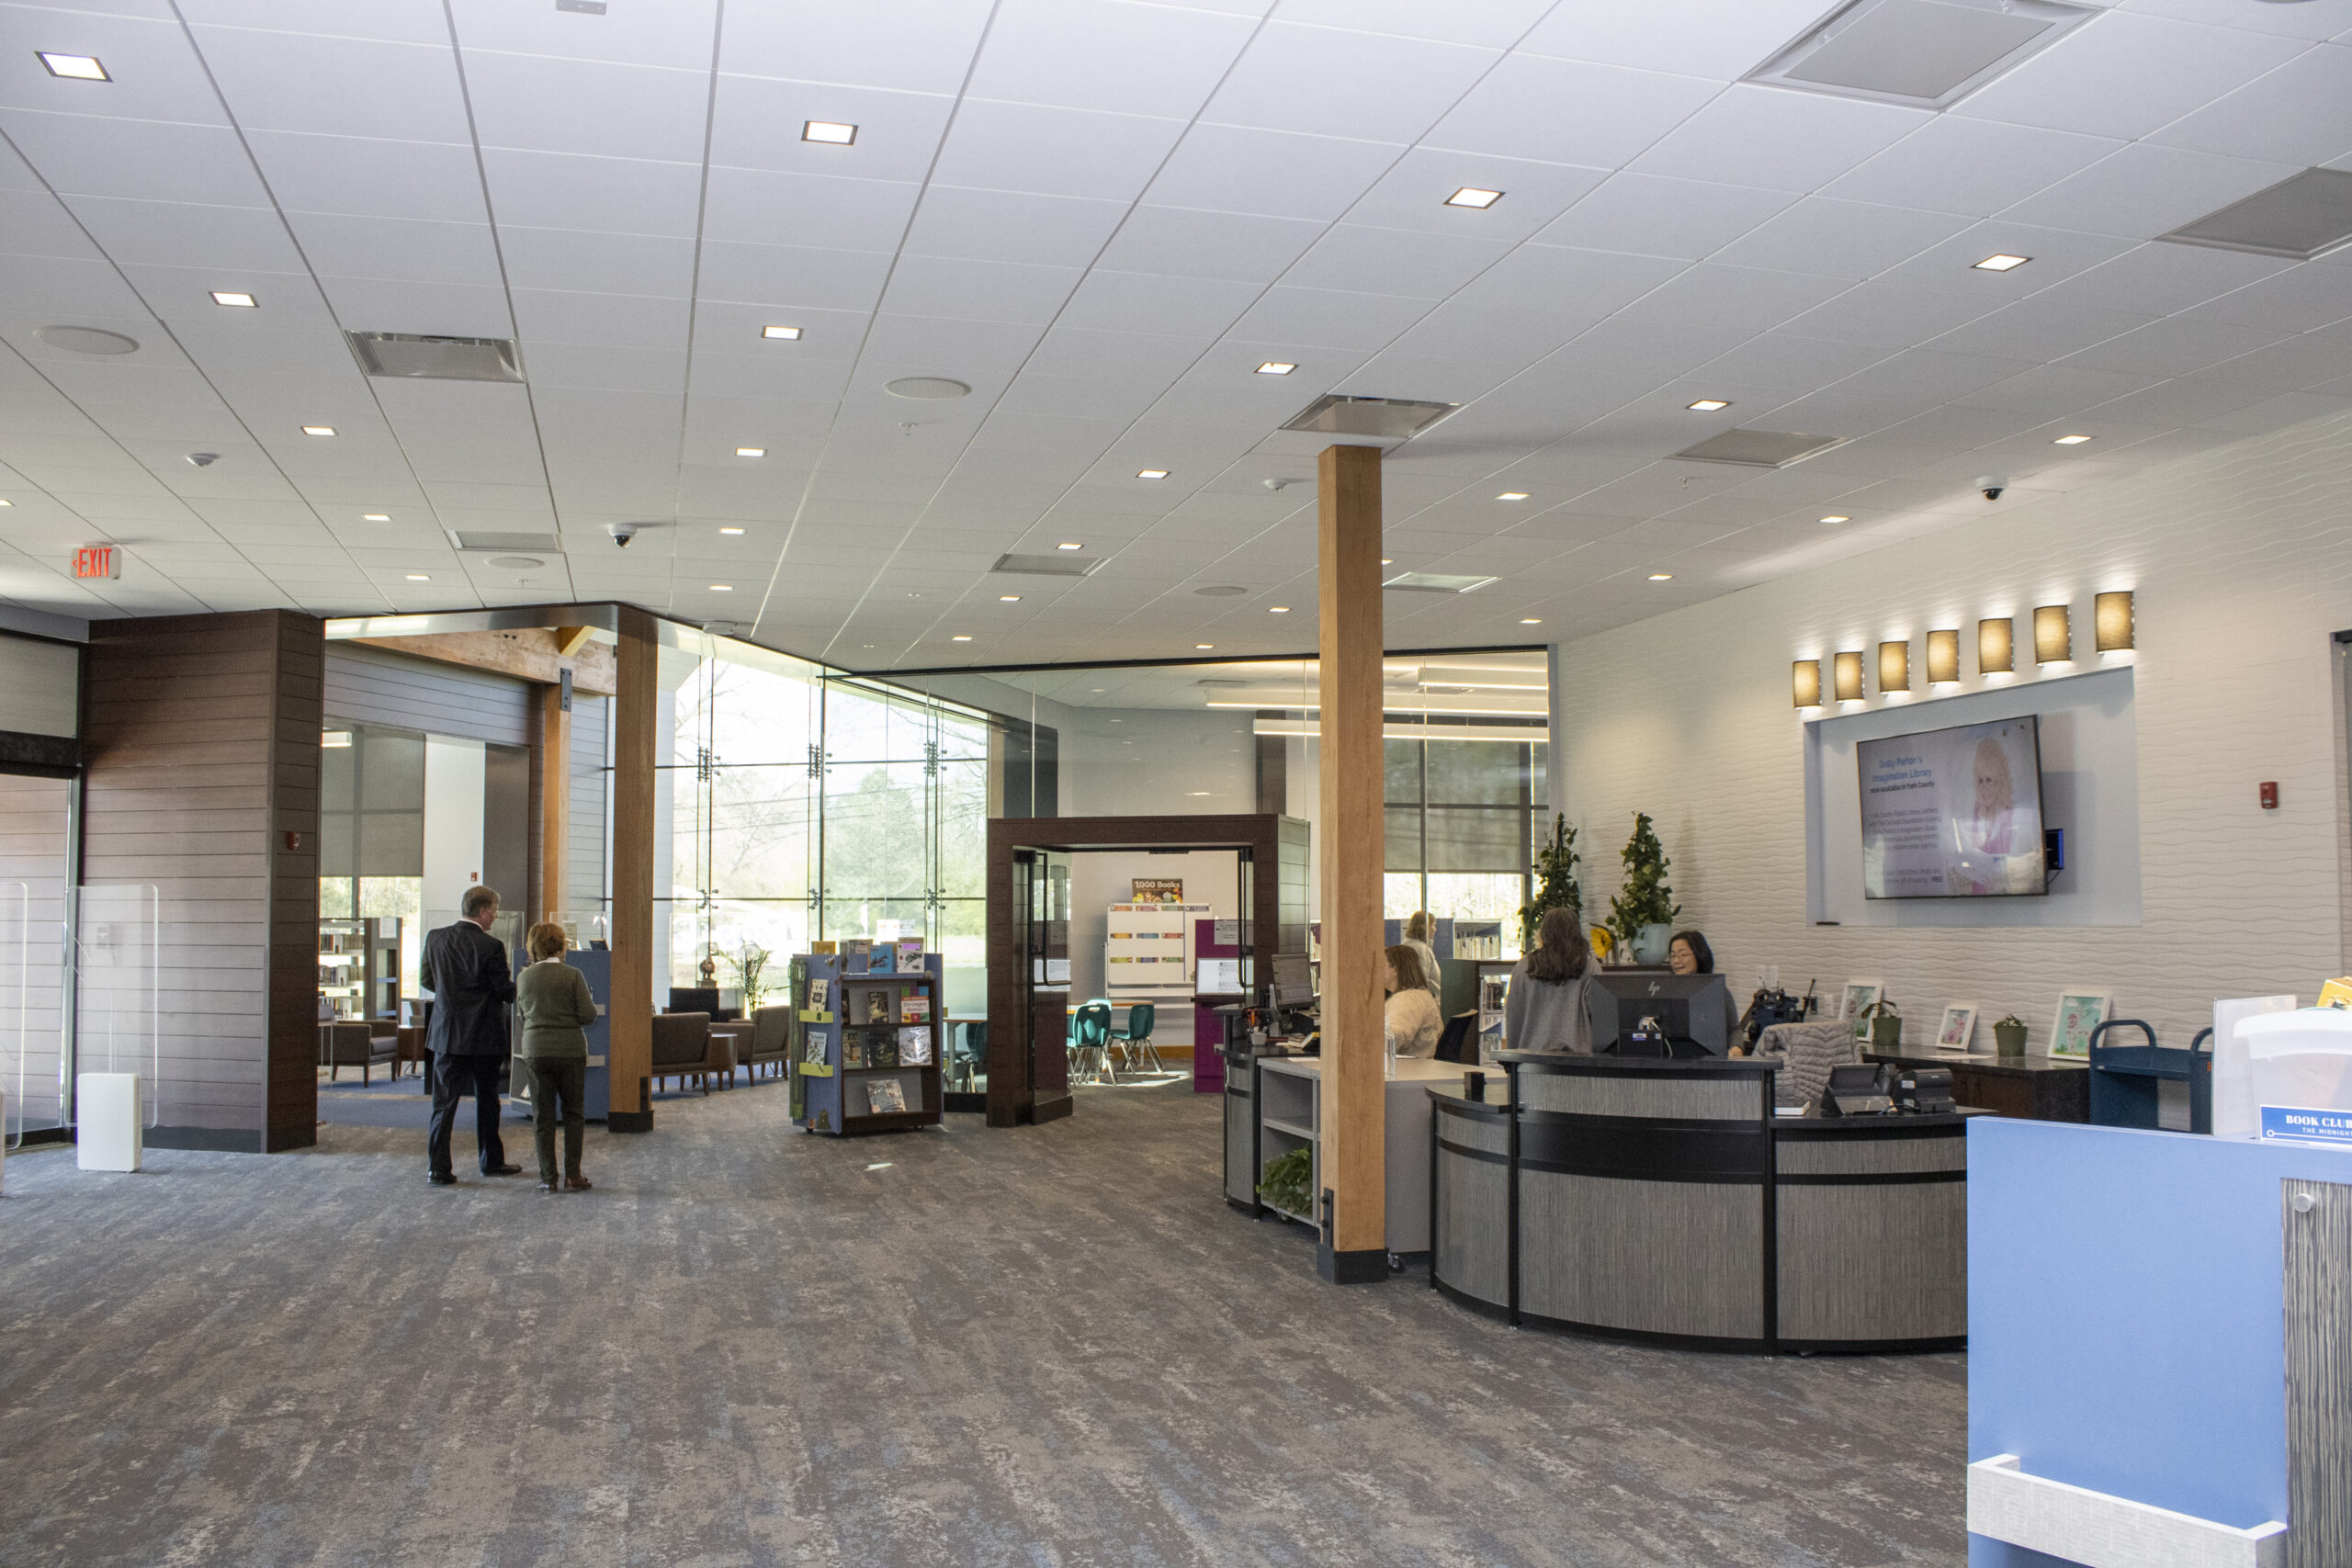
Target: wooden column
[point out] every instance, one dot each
(1353, 1204)
(631, 1017)
(554, 743)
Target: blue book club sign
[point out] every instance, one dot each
(2307, 1124)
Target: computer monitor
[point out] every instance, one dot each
(1690, 1010)
(1294, 981)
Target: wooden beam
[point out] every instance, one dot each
(1353, 1248)
(532, 653)
(554, 744)
(568, 640)
(629, 1040)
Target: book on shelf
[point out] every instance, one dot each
(913, 1008)
(857, 955)
(910, 955)
(914, 1047)
(876, 1009)
(852, 1049)
(884, 1097)
(817, 995)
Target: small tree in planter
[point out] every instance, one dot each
(1645, 901)
(750, 964)
(1556, 883)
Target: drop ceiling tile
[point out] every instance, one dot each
(2330, 19)
(1893, 314)
(1956, 163)
(1778, 139)
(1328, 317)
(1779, 362)
(1333, 82)
(619, 320)
(1540, 275)
(1413, 195)
(62, 286)
(2312, 361)
(817, 279)
(676, 33)
(1840, 239)
(599, 263)
(1221, 246)
(1717, 38)
(35, 223)
(1136, 301)
(144, 159)
(1275, 173)
(1054, 151)
(2173, 347)
(613, 196)
(233, 239)
(2144, 190)
(383, 305)
(2187, 401)
(2158, 279)
(980, 290)
(913, 45)
(2125, 74)
(2053, 390)
(364, 177)
(1568, 111)
(2298, 115)
(156, 76)
(1104, 54)
(757, 124)
(1047, 231)
(1387, 261)
(542, 105)
(1734, 300)
(2294, 300)
(399, 250)
(757, 207)
(2278, 414)
(606, 367)
(1148, 357)
(1649, 215)
(337, 86)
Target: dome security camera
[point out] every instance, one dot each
(1992, 485)
(622, 533)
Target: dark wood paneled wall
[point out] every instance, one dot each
(375, 685)
(202, 781)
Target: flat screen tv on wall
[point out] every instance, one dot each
(1953, 813)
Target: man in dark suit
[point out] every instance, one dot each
(465, 968)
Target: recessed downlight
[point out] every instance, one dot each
(1070, 545)
(4, 502)
(788, 334)
(1507, 495)
(419, 577)
(750, 451)
(318, 430)
(722, 588)
(1836, 517)
(959, 637)
(375, 517)
(74, 67)
(1708, 405)
(1008, 598)
(730, 530)
(1151, 473)
(2070, 441)
(1472, 196)
(1999, 264)
(1385, 562)
(831, 132)
(1661, 577)
(1531, 620)
(1276, 367)
(230, 297)
(1278, 609)
(1203, 647)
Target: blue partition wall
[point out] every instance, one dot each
(2125, 1315)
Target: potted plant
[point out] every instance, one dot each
(2009, 1035)
(1886, 1025)
(1642, 914)
(1556, 883)
(749, 965)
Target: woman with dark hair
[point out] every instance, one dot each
(1410, 1016)
(1549, 1006)
(1689, 953)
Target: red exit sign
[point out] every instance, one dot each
(97, 561)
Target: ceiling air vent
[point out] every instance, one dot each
(410, 357)
(1927, 54)
(1435, 582)
(466, 540)
(1758, 449)
(2302, 215)
(1043, 566)
(1390, 419)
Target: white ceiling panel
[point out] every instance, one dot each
(598, 263)
(2158, 279)
(230, 238)
(2299, 114)
(146, 160)
(1647, 215)
(613, 196)
(1054, 151)
(923, 46)
(1135, 302)
(1336, 82)
(2124, 74)
(1734, 300)
(1273, 174)
(576, 106)
(986, 225)
(2144, 190)
(1107, 54)
(757, 123)
(1569, 111)
(402, 250)
(1387, 261)
(156, 76)
(383, 305)
(1776, 140)
(1958, 164)
(819, 279)
(338, 86)
(378, 179)
(35, 223)
(2328, 18)
(1413, 194)
(1329, 319)
(764, 208)
(2174, 347)
(1219, 246)
(676, 33)
(1717, 38)
(1839, 239)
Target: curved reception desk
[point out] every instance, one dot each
(1666, 1202)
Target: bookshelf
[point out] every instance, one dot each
(857, 1032)
(359, 969)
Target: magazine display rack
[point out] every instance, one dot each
(866, 1028)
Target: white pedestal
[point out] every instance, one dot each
(107, 1135)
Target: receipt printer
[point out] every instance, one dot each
(1923, 1091)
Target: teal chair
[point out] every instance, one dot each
(1136, 1038)
(1090, 1030)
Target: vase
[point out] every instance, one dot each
(1887, 1032)
(2009, 1039)
(1650, 944)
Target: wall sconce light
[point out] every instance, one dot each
(2112, 620)
(2053, 637)
(1894, 666)
(1805, 684)
(1849, 668)
(1995, 654)
(1943, 657)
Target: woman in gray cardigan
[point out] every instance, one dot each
(556, 1005)
(1549, 1006)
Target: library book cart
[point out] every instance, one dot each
(866, 1055)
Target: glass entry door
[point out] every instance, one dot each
(1041, 938)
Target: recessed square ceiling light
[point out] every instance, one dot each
(1278, 609)
(2070, 441)
(226, 296)
(959, 637)
(1008, 598)
(1068, 545)
(789, 334)
(375, 517)
(1512, 495)
(418, 577)
(750, 451)
(1708, 405)
(80, 67)
(722, 588)
(1204, 646)
(1531, 620)
(1151, 473)
(730, 530)
(832, 132)
(1836, 517)
(1385, 562)
(318, 430)
(1276, 367)
(1661, 577)
(1999, 264)
(7, 503)
(1471, 196)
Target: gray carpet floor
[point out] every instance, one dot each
(1052, 1348)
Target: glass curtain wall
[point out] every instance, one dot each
(1462, 817)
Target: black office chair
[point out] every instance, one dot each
(1459, 1043)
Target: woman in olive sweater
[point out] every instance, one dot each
(553, 1000)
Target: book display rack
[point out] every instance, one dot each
(867, 1038)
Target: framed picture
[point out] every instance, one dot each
(2081, 1009)
(1959, 1023)
(1854, 1002)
